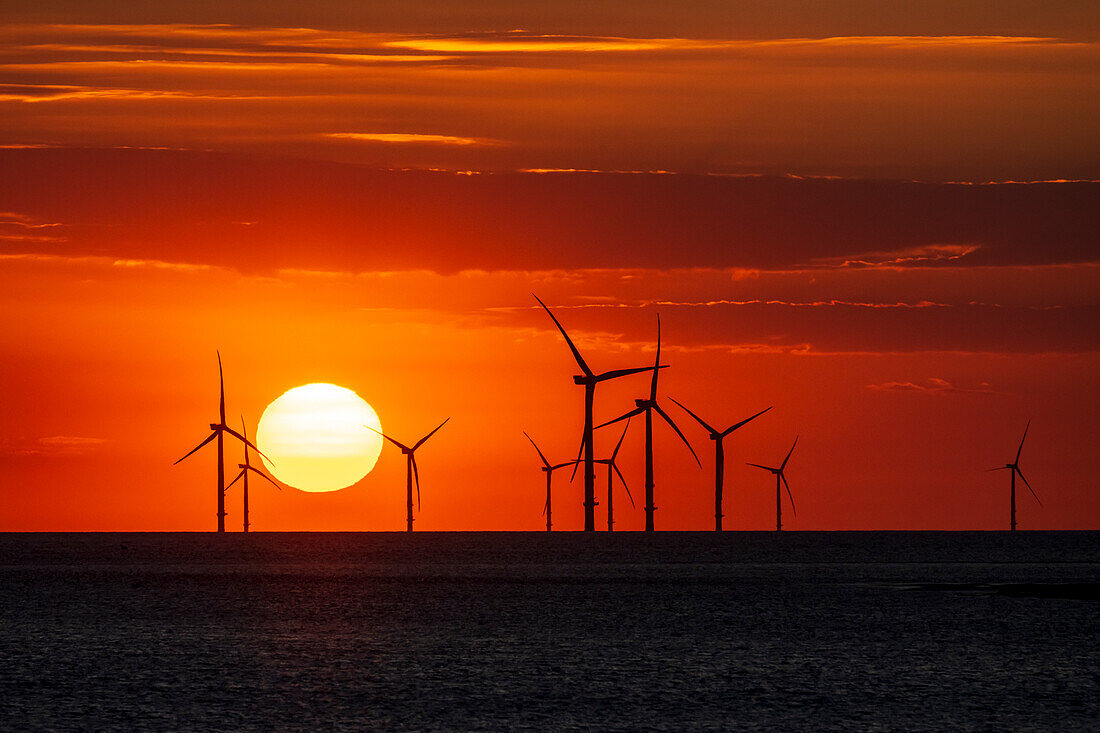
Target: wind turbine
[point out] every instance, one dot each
(648, 406)
(719, 458)
(410, 470)
(613, 470)
(217, 431)
(245, 468)
(780, 477)
(1015, 468)
(589, 380)
(549, 471)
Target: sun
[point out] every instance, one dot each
(315, 438)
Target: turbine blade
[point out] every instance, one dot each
(1021, 448)
(563, 465)
(239, 475)
(627, 416)
(744, 422)
(784, 463)
(766, 468)
(577, 463)
(213, 434)
(244, 432)
(656, 363)
(544, 461)
(402, 446)
(698, 419)
(1021, 475)
(425, 438)
(245, 440)
(623, 480)
(576, 354)
(998, 468)
(788, 487)
(668, 419)
(618, 445)
(221, 389)
(416, 477)
(616, 373)
(544, 507)
(260, 473)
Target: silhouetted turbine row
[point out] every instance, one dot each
(643, 406)
(586, 455)
(648, 406)
(217, 431)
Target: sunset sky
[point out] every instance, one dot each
(881, 217)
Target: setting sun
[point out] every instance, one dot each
(315, 438)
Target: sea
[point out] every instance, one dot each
(564, 631)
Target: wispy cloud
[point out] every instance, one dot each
(931, 386)
(35, 93)
(712, 303)
(16, 227)
(922, 256)
(410, 137)
(52, 446)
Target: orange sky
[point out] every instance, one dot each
(840, 212)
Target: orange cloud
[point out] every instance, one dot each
(931, 385)
(410, 137)
(52, 446)
(909, 257)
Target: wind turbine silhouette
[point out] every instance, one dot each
(780, 477)
(613, 470)
(1015, 468)
(410, 470)
(245, 468)
(589, 380)
(217, 431)
(549, 471)
(719, 457)
(648, 406)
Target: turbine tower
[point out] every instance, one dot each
(649, 406)
(217, 431)
(613, 470)
(245, 468)
(410, 470)
(719, 457)
(549, 471)
(589, 380)
(779, 476)
(1014, 467)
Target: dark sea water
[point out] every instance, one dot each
(501, 631)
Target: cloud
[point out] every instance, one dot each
(830, 329)
(410, 137)
(920, 256)
(51, 446)
(800, 104)
(931, 385)
(16, 227)
(359, 219)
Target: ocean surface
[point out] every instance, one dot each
(504, 631)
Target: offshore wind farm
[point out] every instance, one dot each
(472, 275)
(586, 455)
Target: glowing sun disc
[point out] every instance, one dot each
(315, 437)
